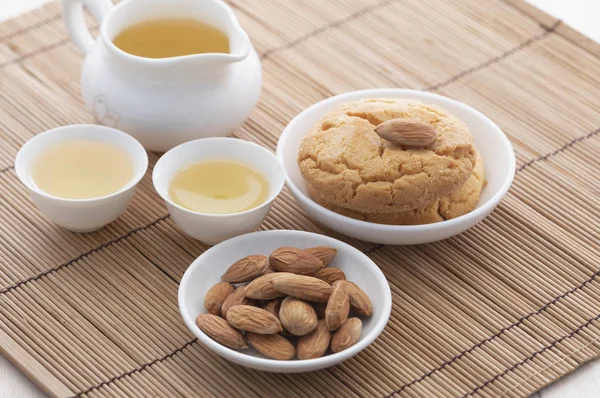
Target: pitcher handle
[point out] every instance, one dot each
(74, 20)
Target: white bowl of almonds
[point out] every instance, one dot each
(285, 301)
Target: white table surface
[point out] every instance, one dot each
(583, 15)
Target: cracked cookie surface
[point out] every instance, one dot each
(461, 201)
(350, 166)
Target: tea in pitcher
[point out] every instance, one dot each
(165, 38)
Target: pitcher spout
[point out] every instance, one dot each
(239, 43)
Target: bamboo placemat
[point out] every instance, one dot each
(502, 310)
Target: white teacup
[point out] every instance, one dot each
(81, 215)
(215, 228)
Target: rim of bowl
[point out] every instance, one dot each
(26, 180)
(321, 362)
(234, 141)
(476, 213)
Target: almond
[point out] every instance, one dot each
(253, 319)
(294, 260)
(297, 316)
(360, 303)
(314, 344)
(246, 269)
(330, 275)
(273, 306)
(407, 132)
(323, 253)
(215, 296)
(235, 298)
(272, 345)
(303, 287)
(347, 335)
(338, 306)
(262, 287)
(269, 270)
(320, 309)
(220, 331)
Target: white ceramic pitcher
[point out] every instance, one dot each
(164, 102)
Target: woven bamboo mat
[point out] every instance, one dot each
(501, 310)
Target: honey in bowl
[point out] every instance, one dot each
(218, 187)
(82, 169)
(165, 38)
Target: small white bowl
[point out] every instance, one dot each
(495, 148)
(81, 215)
(208, 268)
(215, 228)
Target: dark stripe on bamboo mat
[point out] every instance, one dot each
(559, 150)
(79, 257)
(532, 356)
(322, 29)
(146, 365)
(497, 334)
(498, 58)
(29, 28)
(40, 50)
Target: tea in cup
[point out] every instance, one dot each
(81, 177)
(217, 188)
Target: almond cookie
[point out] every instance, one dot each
(459, 202)
(350, 166)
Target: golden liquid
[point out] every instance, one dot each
(164, 38)
(218, 187)
(81, 169)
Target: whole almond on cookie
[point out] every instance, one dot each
(303, 287)
(407, 132)
(262, 287)
(297, 316)
(360, 303)
(338, 306)
(314, 344)
(235, 298)
(294, 260)
(222, 332)
(323, 253)
(246, 269)
(330, 275)
(273, 346)
(253, 319)
(215, 297)
(347, 335)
